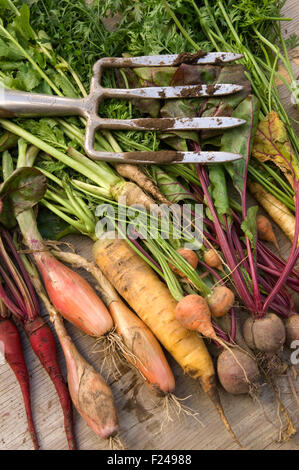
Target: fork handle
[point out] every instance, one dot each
(22, 104)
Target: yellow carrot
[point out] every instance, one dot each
(276, 209)
(151, 300)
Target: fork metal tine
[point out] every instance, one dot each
(169, 124)
(216, 58)
(190, 91)
(166, 157)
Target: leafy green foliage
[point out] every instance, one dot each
(46, 129)
(241, 142)
(22, 23)
(50, 225)
(292, 41)
(24, 188)
(218, 189)
(169, 186)
(249, 226)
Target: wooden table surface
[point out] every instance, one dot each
(143, 422)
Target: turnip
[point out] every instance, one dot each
(267, 334)
(292, 329)
(231, 375)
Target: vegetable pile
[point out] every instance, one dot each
(217, 296)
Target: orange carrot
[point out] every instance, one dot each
(189, 256)
(220, 301)
(151, 300)
(265, 230)
(212, 259)
(194, 314)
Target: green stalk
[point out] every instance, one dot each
(83, 215)
(276, 51)
(13, 7)
(75, 76)
(50, 176)
(177, 22)
(212, 18)
(90, 189)
(29, 58)
(31, 155)
(22, 149)
(104, 171)
(60, 200)
(103, 176)
(269, 188)
(171, 280)
(114, 144)
(271, 82)
(280, 180)
(7, 165)
(79, 227)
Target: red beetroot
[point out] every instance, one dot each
(43, 344)
(13, 353)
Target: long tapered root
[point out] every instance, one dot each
(134, 195)
(210, 388)
(135, 174)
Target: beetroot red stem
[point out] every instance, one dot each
(291, 282)
(225, 247)
(9, 304)
(236, 241)
(251, 260)
(293, 256)
(13, 291)
(23, 271)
